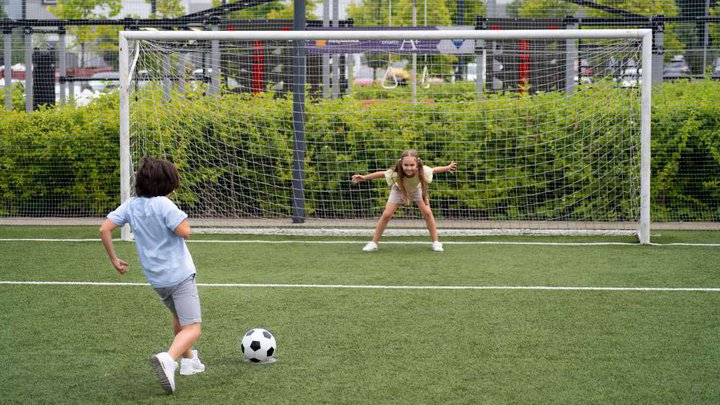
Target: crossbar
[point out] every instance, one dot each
(380, 35)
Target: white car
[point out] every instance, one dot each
(103, 81)
(631, 77)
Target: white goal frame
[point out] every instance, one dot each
(645, 35)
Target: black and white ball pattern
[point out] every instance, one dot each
(258, 345)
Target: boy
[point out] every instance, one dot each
(160, 229)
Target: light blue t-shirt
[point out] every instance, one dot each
(164, 256)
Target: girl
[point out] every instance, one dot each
(409, 179)
(160, 229)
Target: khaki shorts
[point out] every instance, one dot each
(396, 195)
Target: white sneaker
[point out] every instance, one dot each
(437, 246)
(370, 247)
(191, 366)
(165, 367)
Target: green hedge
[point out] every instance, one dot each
(61, 161)
(82, 145)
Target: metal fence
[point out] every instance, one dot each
(76, 58)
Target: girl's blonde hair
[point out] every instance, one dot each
(420, 172)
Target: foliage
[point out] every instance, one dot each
(86, 34)
(715, 28)
(273, 9)
(545, 8)
(686, 152)
(82, 145)
(64, 159)
(470, 8)
(374, 13)
(439, 13)
(167, 8)
(560, 9)
(288, 11)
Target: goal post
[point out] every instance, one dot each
(535, 151)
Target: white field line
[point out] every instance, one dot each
(382, 287)
(340, 242)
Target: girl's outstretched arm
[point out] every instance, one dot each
(449, 168)
(357, 178)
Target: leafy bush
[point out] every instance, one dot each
(70, 155)
(62, 161)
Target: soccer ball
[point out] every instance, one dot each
(258, 345)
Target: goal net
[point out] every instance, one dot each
(549, 128)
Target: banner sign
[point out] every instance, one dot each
(445, 46)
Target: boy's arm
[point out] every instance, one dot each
(357, 178)
(106, 236)
(449, 168)
(183, 230)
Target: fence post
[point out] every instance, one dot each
(480, 57)
(658, 49)
(62, 61)
(298, 179)
(28, 69)
(571, 58)
(7, 51)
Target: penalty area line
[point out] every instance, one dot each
(382, 287)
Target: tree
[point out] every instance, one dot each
(562, 8)
(545, 8)
(715, 28)
(88, 10)
(369, 13)
(167, 8)
(288, 11)
(648, 8)
(695, 8)
(437, 13)
(471, 9)
(377, 13)
(273, 9)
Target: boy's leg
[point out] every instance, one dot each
(184, 340)
(186, 319)
(177, 328)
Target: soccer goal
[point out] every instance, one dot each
(550, 129)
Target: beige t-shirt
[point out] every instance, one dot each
(411, 183)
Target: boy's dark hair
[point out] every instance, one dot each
(156, 178)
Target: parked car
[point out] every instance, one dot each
(715, 75)
(677, 69)
(631, 77)
(103, 81)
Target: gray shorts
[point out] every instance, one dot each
(396, 195)
(183, 300)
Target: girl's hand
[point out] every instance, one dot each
(119, 265)
(357, 178)
(451, 167)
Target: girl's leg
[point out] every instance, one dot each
(429, 219)
(386, 216)
(185, 338)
